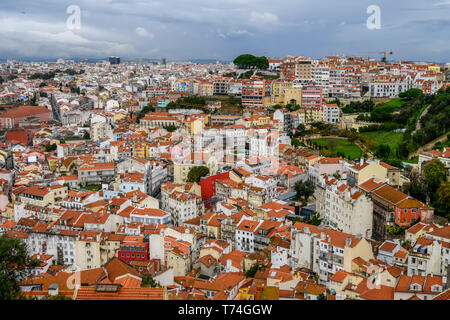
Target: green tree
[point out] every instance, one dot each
(245, 61)
(383, 151)
(443, 199)
(57, 297)
(15, 266)
(170, 128)
(196, 173)
(148, 108)
(321, 297)
(411, 94)
(86, 135)
(304, 190)
(50, 147)
(295, 142)
(250, 273)
(315, 219)
(148, 281)
(301, 129)
(434, 173)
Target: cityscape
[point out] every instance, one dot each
(256, 177)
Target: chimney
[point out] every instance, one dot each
(348, 242)
(361, 161)
(53, 290)
(322, 235)
(306, 230)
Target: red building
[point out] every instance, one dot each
(287, 71)
(409, 211)
(12, 117)
(208, 186)
(133, 248)
(17, 135)
(253, 92)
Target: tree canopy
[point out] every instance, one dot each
(304, 190)
(196, 173)
(434, 173)
(148, 281)
(246, 61)
(15, 266)
(443, 201)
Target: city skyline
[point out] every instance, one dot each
(196, 29)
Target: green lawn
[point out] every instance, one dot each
(335, 146)
(93, 188)
(392, 139)
(397, 103)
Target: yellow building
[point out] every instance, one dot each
(119, 116)
(141, 150)
(381, 171)
(292, 96)
(109, 246)
(181, 169)
(207, 89)
(194, 126)
(313, 115)
(278, 91)
(42, 195)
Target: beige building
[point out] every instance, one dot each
(179, 261)
(42, 196)
(87, 248)
(100, 130)
(304, 69)
(379, 170)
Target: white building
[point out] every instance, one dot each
(331, 113)
(344, 208)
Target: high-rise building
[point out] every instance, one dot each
(447, 72)
(114, 60)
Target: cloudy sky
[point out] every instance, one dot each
(223, 29)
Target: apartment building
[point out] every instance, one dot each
(87, 248)
(245, 235)
(100, 130)
(393, 207)
(253, 92)
(304, 69)
(96, 173)
(312, 95)
(328, 166)
(325, 251)
(365, 170)
(344, 208)
(331, 113)
(221, 85)
(41, 195)
(390, 86)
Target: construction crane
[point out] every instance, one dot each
(385, 53)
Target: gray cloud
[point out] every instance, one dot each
(183, 29)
